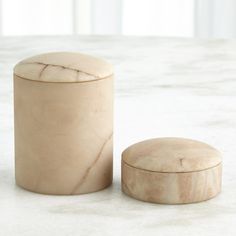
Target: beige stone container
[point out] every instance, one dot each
(63, 123)
(171, 171)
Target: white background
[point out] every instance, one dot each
(186, 18)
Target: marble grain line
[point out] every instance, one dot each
(65, 67)
(81, 182)
(41, 72)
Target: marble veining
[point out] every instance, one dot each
(90, 168)
(63, 67)
(164, 87)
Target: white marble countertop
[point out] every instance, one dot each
(164, 87)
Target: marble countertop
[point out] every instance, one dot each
(164, 87)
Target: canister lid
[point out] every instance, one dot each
(171, 155)
(63, 67)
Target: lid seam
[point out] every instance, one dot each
(170, 172)
(65, 82)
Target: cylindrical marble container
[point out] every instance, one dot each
(171, 171)
(63, 108)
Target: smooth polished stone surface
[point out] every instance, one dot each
(171, 155)
(171, 170)
(63, 130)
(176, 87)
(62, 67)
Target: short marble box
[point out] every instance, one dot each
(63, 123)
(171, 171)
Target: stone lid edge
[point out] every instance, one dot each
(66, 82)
(25, 62)
(166, 172)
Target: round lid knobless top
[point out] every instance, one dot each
(63, 67)
(171, 155)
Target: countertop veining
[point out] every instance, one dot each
(164, 87)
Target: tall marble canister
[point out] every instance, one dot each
(63, 107)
